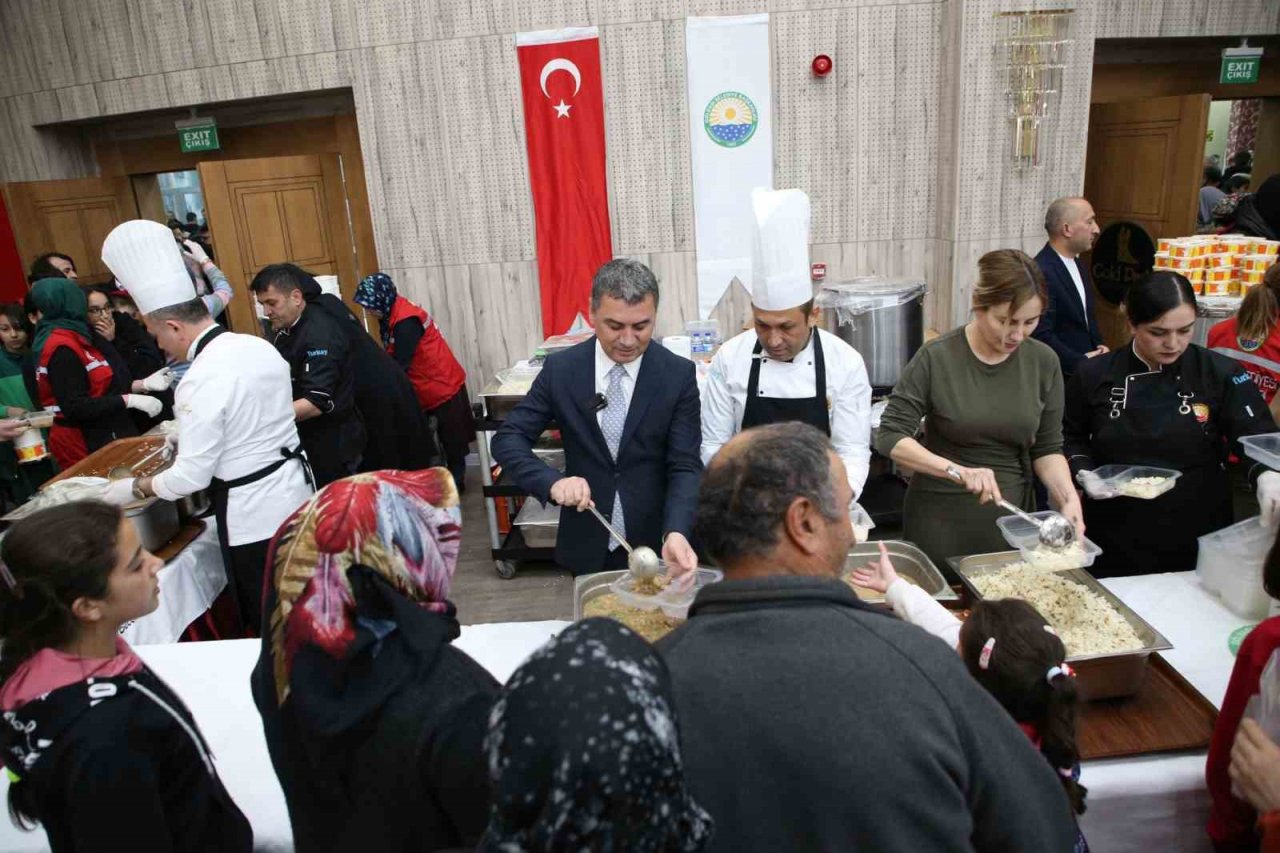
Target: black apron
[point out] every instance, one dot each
(219, 491)
(814, 410)
(1152, 420)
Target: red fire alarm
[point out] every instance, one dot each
(821, 65)
(817, 271)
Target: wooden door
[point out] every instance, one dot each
(72, 217)
(278, 210)
(1145, 164)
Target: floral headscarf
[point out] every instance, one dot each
(584, 751)
(402, 526)
(377, 292)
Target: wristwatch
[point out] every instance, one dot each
(954, 473)
(137, 489)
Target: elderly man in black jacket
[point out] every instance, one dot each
(811, 721)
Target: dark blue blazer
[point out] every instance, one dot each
(659, 461)
(1064, 326)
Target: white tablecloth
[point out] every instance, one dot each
(1143, 805)
(1160, 803)
(188, 585)
(213, 679)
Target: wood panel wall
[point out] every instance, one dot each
(903, 148)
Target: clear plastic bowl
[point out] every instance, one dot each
(674, 602)
(1025, 536)
(1116, 477)
(1229, 564)
(1263, 448)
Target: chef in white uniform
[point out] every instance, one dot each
(234, 410)
(787, 369)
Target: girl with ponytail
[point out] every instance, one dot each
(96, 748)
(1252, 336)
(1013, 652)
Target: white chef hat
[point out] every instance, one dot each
(147, 262)
(780, 274)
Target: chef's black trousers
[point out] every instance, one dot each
(248, 563)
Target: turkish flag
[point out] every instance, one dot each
(564, 129)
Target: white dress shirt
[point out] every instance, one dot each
(1073, 270)
(724, 399)
(603, 365)
(235, 412)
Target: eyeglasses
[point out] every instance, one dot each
(97, 312)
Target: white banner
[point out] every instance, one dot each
(731, 129)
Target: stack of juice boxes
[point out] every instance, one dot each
(1218, 265)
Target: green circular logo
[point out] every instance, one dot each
(730, 119)
(1237, 637)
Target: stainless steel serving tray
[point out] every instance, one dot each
(587, 587)
(908, 561)
(1103, 676)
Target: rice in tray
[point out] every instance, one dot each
(1144, 487)
(653, 625)
(1086, 622)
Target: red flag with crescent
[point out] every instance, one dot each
(563, 98)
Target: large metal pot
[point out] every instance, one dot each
(883, 319)
(1211, 310)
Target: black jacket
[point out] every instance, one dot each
(659, 460)
(382, 752)
(1185, 417)
(322, 367)
(102, 419)
(811, 721)
(1069, 328)
(130, 772)
(397, 430)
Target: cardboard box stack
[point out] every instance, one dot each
(1222, 265)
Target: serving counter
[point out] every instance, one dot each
(1135, 804)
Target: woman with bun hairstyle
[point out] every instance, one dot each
(1165, 402)
(990, 397)
(98, 750)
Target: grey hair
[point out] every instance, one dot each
(191, 311)
(625, 279)
(1056, 216)
(744, 498)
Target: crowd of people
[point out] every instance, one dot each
(340, 525)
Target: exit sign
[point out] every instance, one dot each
(1240, 65)
(198, 135)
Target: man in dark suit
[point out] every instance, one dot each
(1068, 323)
(629, 416)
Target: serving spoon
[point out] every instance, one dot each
(642, 562)
(1055, 531)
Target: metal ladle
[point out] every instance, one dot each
(642, 562)
(1055, 531)
(120, 472)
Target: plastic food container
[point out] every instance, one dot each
(674, 601)
(1229, 564)
(1264, 448)
(1025, 536)
(538, 524)
(1117, 477)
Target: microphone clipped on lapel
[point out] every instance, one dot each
(599, 403)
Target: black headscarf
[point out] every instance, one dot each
(584, 751)
(1258, 215)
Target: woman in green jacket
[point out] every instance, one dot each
(18, 481)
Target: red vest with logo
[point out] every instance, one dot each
(434, 372)
(1260, 359)
(67, 442)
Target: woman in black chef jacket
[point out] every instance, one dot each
(1165, 402)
